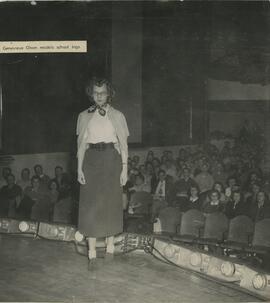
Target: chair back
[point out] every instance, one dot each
(192, 222)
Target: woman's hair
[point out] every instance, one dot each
(266, 197)
(221, 185)
(90, 83)
(194, 186)
(213, 191)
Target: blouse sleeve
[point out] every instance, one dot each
(124, 125)
(78, 128)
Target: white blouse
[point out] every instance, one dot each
(100, 129)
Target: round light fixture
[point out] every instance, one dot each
(78, 236)
(169, 251)
(259, 281)
(23, 226)
(195, 259)
(227, 268)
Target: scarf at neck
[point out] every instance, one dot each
(100, 109)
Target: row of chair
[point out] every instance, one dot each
(239, 233)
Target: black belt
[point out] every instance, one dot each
(101, 146)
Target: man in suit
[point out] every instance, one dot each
(163, 190)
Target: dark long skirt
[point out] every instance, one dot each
(101, 207)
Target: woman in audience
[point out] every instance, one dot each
(214, 204)
(219, 174)
(220, 188)
(251, 197)
(231, 183)
(194, 200)
(236, 206)
(10, 197)
(204, 179)
(61, 178)
(261, 209)
(140, 185)
(25, 179)
(163, 193)
(5, 172)
(43, 178)
(38, 198)
(182, 187)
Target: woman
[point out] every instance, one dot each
(214, 204)
(36, 199)
(194, 200)
(102, 168)
(236, 206)
(261, 209)
(25, 179)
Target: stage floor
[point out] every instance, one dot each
(40, 270)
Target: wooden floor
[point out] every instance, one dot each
(40, 270)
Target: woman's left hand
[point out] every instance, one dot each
(123, 177)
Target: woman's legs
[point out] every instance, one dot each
(110, 245)
(92, 254)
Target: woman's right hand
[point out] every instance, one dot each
(81, 178)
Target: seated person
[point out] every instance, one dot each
(261, 209)
(194, 200)
(181, 188)
(5, 172)
(61, 178)
(204, 179)
(10, 196)
(218, 173)
(43, 179)
(162, 194)
(231, 183)
(214, 204)
(39, 198)
(25, 179)
(140, 185)
(236, 206)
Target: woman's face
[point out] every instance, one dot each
(261, 197)
(214, 197)
(53, 186)
(236, 197)
(100, 94)
(193, 191)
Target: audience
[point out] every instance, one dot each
(230, 181)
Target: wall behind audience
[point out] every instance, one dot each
(50, 160)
